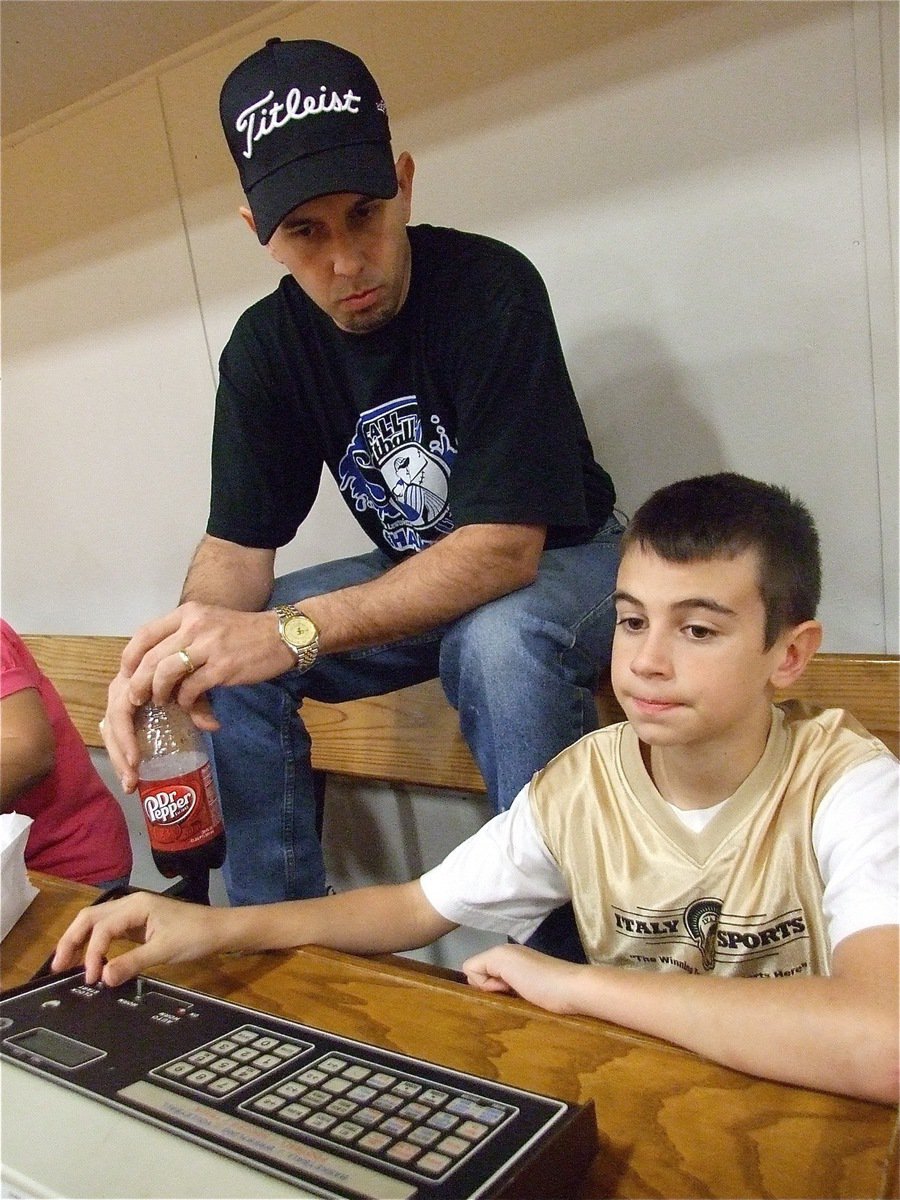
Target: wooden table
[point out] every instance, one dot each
(670, 1123)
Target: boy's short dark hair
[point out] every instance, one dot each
(719, 516)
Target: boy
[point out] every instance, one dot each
(739, 858)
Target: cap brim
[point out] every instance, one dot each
(366, 168)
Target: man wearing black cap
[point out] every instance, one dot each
(422, 366)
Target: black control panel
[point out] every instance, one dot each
(338, 1117)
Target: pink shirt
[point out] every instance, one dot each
(79, 829)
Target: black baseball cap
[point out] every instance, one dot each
(305, 119)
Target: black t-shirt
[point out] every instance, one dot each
(459, 411)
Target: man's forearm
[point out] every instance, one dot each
(232, 576)
(468, 568)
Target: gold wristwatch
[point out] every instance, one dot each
(298, 633)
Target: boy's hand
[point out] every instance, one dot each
(171, 931)
(524, 972)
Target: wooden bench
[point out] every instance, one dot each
(412, 736)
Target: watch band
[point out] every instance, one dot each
(307, 652)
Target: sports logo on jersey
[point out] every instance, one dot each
(391, 468)
(719, 936)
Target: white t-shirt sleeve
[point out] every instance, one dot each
(502, 879)
(855, 839)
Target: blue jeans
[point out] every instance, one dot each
(521, 670)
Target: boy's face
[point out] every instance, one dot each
(688, 662)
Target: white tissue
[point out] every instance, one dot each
(16, 892)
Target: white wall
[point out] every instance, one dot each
(705, 188)
(708, 189)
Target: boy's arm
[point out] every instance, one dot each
(838, 1032)
(372, 920)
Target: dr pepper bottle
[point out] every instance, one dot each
(179, 799)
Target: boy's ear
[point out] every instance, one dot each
(796, 647)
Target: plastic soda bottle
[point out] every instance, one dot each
(179, 799)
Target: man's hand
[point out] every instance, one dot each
(171, 931)
(221, 646)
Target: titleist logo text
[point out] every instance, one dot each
(265, 116)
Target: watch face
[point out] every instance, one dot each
(299, 631)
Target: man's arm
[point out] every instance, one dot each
(27, 744)
(838, 1033)
(375, 920)
(230, 642)
(461, 572)
(229, 575)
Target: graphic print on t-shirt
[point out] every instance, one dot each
(389, 467)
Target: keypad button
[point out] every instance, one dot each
(319, 1122)
(415, 1112)
(292, 1089)
(342, 1108)
(404, 1152)
(178, 1069)
(356, 1072)
(347, 1131)
(424, 1136)
(381, 1080)
(223, 1085)
(337, 1087)
(490, 1115)
(473, 1130)
(374, 1141)
(433, 1163)
(294, 1112)
(406, 1088)
(443, 1120)
(201, 1077)
(454, 1146)
(286, 1050)
(395, 1126)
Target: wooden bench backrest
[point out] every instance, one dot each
(413, 736)
(80, 667)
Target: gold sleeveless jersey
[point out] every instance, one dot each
(741, 897)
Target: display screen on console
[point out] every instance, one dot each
(56, 1048)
